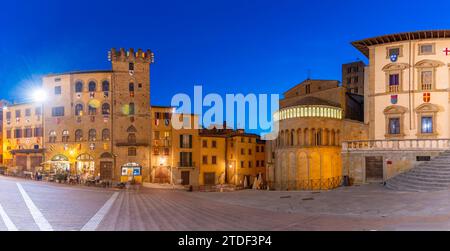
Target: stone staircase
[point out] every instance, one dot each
(432, 175)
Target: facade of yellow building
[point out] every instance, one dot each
(407, 104)
(312, 125)
(22, 137)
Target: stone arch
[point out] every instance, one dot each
(293, 141)
(292, 171)
(302, 170)
(282, 139)
(332, 137)
(306, 137)
(428, 63)
(315, 169)
(299, 137)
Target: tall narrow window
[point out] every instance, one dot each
(105, 86)
(394, 126)
(78, 135)
(427, 124)
(78, 110)
(131, 66)
(132, 138)
(394, 82)
(105, 109)
(426, 78)
(308, 89)
(92, 135)
(92, 86)
(78, 87)
(92, 110)
(105, 135)
(131, 105)
(52, 137)
(65, 136)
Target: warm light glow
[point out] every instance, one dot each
(39, 95)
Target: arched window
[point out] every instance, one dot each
(52, 136)
(105, 109)
(92, 135)
(79, 86)
(105, 86)
(105, 135)
(65, 135)
(92, 86)
(131, 108)
(79, 110)
(131, 129)
(131, 138)
(92, 110)
(78, 135)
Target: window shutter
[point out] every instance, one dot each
(190, 141)
(181, 141)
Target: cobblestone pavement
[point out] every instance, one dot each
(29, 205)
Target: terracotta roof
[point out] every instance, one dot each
(363, 45)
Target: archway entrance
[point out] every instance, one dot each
(131, 172)
(85, 165)
(59, 164)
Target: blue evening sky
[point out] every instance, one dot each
(251, 46)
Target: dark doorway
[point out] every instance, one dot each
(209, 178)
(161, 175)
(106, 170)
(374, 169)
(185, 178)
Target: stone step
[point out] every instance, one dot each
(422, 181)
(397, 185)
(423, 178)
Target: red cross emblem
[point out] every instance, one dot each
(447, 51)
(426, 97)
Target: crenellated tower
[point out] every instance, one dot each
(131, 109)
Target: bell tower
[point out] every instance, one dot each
(131, 117)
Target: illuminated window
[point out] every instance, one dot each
(427, 124)
(78, 110)
(394, 126)
(78, 135)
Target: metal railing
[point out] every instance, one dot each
(396, 144)
(308, 184)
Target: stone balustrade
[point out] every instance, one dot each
(396, 145)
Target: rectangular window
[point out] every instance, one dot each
(214, 144)
(38, 111)
(8, 115)
(58, 111)
(394, 126)
(185, 141)
(262, 149)
(426, 79)
(8, 134)
(204, 143)
(262, 163)
(38, 132)
(427, 124)
(205, 159)
(308, 89)
(186, 159)
(250, 164)
(131, 66)
(249, 151)
(18, 113)
(242, 164)
(18, 133)
(257, 163)
(27, 112)
(28, 132)
(257, 149)
(426, 49)
(57, 90)
(394, 82)
(242, 151)
(132, 151)
(214, 160)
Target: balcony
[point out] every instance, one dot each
(396, 145)
(394, 88)
(186, 164)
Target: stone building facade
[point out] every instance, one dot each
(312, 126)
(407, 104)
(98, 122)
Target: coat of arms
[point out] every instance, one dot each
(426, 97)
(394, 99)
